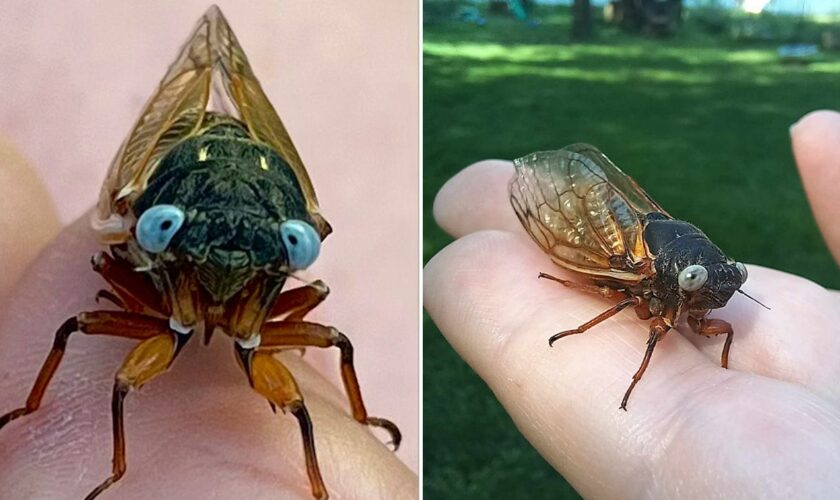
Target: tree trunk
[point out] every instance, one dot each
(581, 20)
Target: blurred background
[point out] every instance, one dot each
(692, 98)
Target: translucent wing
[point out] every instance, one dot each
(255, 109)
(211, 59)
(625, 184)
(582, 210)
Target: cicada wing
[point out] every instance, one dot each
(625, 184)
(212, 57)
(174, 112)
(578, 214)
(256, 110)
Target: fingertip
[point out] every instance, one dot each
(816, 148)
(815, 138)
(476, 198)
(819, 120)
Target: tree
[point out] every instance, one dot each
(581, 20)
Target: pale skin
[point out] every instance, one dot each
(198, 431)
(768, 427)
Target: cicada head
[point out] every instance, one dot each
(691, 271)
(227, 209)
(717, 283)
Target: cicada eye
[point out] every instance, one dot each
(743, 270)
(302, 243)
(157, 226)
(693, 277)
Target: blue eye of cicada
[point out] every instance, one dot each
(302, 243)
(157, 226)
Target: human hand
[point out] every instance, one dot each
(196, 432)
(769, 426)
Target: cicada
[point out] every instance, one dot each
(594, 220)
(206, 211)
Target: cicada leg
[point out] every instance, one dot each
(658, 328)
(296, 303)
(709, 327)
(271, 379)
(113, 299)
(603, 291)
(609, 313)
(131, 290)
(147, 360)
(304, 334)
(643, 310)
(111, 323)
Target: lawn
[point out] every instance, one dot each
(701, 122)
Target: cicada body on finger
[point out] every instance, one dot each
(206, 210)
(594, 220)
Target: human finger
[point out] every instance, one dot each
(476, 198)
(816, 148)
(27, 217)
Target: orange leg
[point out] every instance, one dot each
(609, 313)
(296, 303)
(603, 291)
(115, 299)
(643, 310)
(132, 291)
(270, 378)
(709, 327)
(112, 323)
(304, 334)
(658, 328)
(147, 360)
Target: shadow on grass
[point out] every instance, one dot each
(703, 126)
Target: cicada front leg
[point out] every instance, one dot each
(146, 361)
(643, 310)
(279, 334)
(130, 290)
(295, 304)
(658, 328)
(271, 379)
(111, 323)
(710, 327)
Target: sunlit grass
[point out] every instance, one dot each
(477, 75)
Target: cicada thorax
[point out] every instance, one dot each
(227, 262)
(673, 245)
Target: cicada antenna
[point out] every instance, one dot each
(753, 299)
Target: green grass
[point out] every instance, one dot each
(701, 123)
